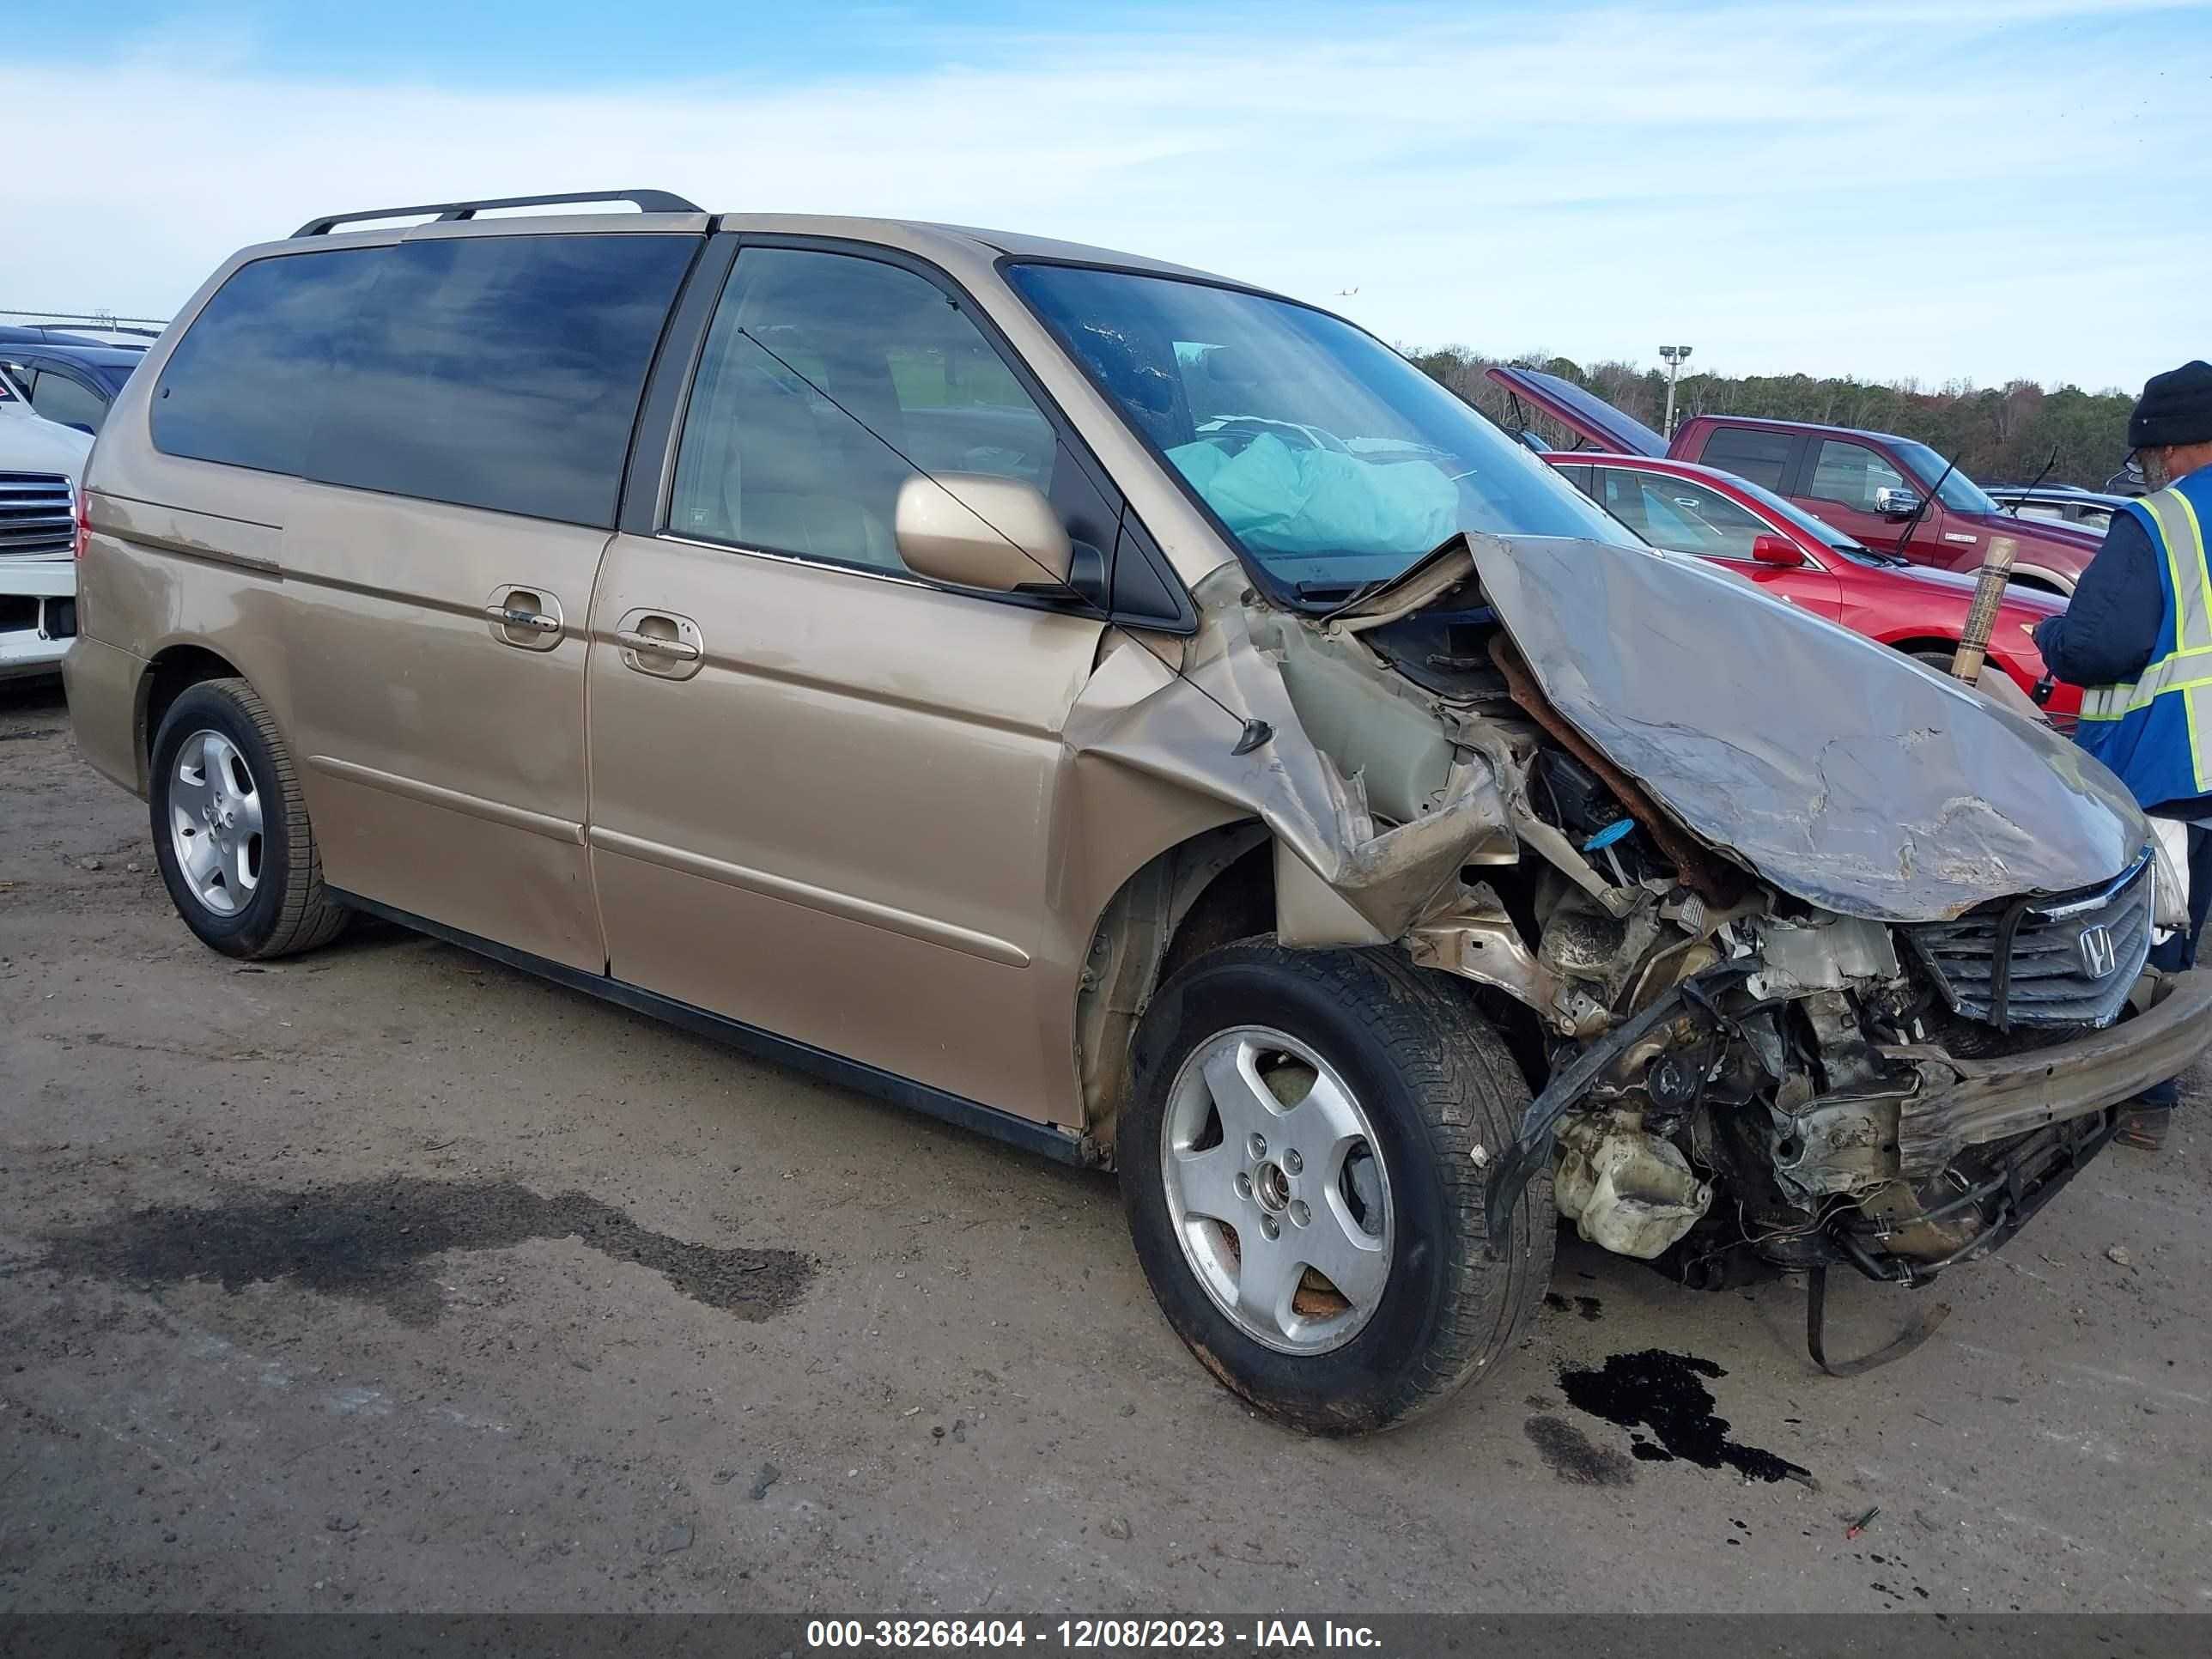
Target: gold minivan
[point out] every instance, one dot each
(1120, 710)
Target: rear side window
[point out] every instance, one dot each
(58, 398)
(1761, 456)
(501, 373)
(242, 385)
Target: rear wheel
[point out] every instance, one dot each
(1303, 1168)
(230, 828)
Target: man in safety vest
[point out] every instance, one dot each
(2138, 633)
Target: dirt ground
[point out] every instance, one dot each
(388, 1278)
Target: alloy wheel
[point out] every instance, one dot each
(1277, 1190)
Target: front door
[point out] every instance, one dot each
(1842, 482)
(827, 797)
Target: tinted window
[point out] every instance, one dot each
(500, 372)
(60, 398)
(1759, 456)
(827, 382)
(242, 385)
(1850, 474)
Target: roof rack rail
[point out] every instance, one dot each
(646, 201)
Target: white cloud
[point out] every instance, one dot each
(1831, 187)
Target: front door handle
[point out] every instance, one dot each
(660, 643)
(528, 618)
(653, 645)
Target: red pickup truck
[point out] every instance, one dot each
(1867, 484)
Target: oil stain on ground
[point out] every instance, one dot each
(1666, 1394)
(373, 1241)
(1568, 1453)
(1588, 1306)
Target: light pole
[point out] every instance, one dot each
(1675, 356)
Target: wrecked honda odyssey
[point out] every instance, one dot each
(1123, 711)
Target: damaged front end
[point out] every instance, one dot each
(1818, 957)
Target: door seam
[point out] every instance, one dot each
(591, 796)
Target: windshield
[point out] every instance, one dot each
(1332, 461)
(1959, 492)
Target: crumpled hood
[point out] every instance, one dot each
(1841, 771)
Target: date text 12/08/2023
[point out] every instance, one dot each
(1092, 1635)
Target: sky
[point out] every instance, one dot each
(1982, 190)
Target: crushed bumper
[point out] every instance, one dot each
(1969, 1103)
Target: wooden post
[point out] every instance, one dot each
(1982, 617)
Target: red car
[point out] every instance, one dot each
(1871, 485)
(1687, 509)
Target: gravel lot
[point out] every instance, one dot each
(388, 1278)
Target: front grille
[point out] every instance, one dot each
(36, 517)
(2074, 958)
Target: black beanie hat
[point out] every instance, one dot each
(2176, 408)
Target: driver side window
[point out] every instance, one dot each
(1849, 474)
(828, 380)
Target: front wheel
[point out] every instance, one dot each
(230, 828)
(1302, 1167)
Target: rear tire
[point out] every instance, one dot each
(1428, 1083)
(230, 827)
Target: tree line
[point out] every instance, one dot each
(1997, 433)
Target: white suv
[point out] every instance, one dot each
(41, 463)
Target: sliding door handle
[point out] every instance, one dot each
(535, 622)
(528, 618)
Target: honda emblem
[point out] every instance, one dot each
(2098, 954)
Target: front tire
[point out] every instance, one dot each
(1303, 1166)
(230, 827)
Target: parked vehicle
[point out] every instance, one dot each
(1687, 509)
(135, 339)
(1122, 710)
(2091, 509)
(71, 385)
(1873, 486)
(39, 465)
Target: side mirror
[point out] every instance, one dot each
(973, 530)
(1778, 551)
(1894, 503)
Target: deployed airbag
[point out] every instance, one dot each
(1284, 500)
